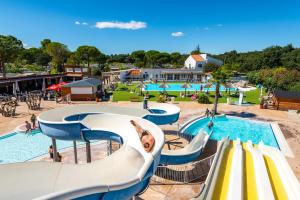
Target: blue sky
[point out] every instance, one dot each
(125, 26)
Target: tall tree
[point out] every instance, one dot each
(9, 48)
(196, 51)
(73, 59)
(44, 43)
(220, 76)
(175, 59)
(87, 54)
(163, 59)
(59, 54)
(152, 57)
(271, 56)
(139, 58)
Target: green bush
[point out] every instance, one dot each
(203, 98)
(35, 67)
(123, 88)
(295, 88)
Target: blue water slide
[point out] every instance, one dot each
(162, 113)
(189, 153)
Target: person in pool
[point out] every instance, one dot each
(207, 112)
(145, 136)
(210, 124)
(33, 120)
(28, 126)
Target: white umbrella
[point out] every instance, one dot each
(207, 86)
(17, 86)
(186, 86)
(164, 86)
(44, 85)
(229, 86)
(14, 89)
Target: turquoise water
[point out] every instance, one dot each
(236, 128)
(177, 87)
(18, 147)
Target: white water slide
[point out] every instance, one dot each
(118, 176)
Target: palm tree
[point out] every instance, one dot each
(220, 76)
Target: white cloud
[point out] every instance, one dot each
(206, 28)
(220, 25)
(177, 34)
(132, 25)
(77, 23)
(84, 23)
(26, 46)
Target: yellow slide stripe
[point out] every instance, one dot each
(277, 186)
(250, 190)
(221, 189)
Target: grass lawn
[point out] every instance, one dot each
(133, 93)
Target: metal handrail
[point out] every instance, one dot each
(183, 174)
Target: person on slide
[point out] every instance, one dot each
(146, 137)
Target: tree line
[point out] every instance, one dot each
(15, 58)
(274, 67)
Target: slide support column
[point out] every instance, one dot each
(75, 152)
(88, 152)
(54, 149)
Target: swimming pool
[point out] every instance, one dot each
(19, 147)
(235, 127)
(177, 87)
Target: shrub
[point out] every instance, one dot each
(295, 88)
(135, 99)
(203, 98)
(162, 99)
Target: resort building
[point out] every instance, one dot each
(192, 71)
(15, 83)
(199, 61)
(75, 72)
(85, 89)
(171, 74)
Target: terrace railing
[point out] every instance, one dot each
(183, 174)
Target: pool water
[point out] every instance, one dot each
(19, 147)
(157, 111)
(235, 128)
(177, 87)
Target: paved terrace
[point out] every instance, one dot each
(289, 123)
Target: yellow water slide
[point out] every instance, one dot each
(285, 184)
(250, 173)
(275, 180)
(250, 190)
(221, 188)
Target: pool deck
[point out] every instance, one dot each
(289, 124)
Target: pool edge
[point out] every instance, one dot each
(281, 141)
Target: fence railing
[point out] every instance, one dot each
(182, 174)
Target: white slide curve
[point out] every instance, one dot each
(123, 169)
